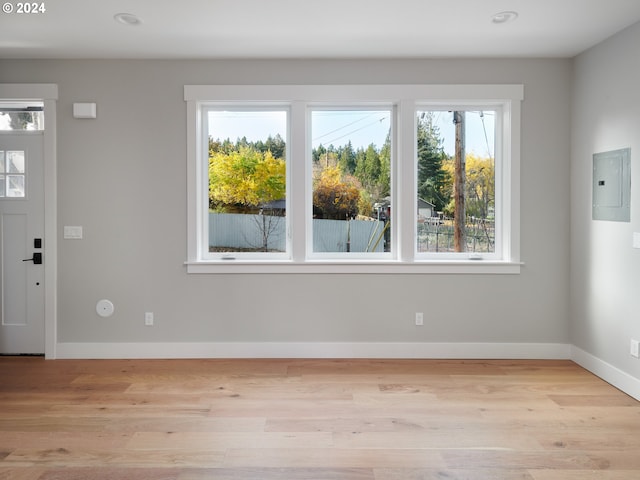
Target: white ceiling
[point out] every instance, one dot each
(210, 29)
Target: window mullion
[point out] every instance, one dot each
(298, 181)
(404, 208)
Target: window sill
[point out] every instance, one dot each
(466, 267)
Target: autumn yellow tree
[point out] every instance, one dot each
(479, 185)
(245, 178)
(335, 195)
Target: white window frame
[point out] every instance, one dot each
(406, 99)
(501, 183)
(203, 167)
(311, 255)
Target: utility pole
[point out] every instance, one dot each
(459, 231)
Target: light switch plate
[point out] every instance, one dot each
(636, 240)
(73, 233)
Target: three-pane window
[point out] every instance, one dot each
(335, 175)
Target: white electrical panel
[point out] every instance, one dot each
(612, 185)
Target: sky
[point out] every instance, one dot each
(337, 127)
(480, 132)
(362, 128)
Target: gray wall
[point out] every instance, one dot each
(123, 178)
(605, 269)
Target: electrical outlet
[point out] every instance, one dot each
(635, 348)
(148, 319)
(419, 318)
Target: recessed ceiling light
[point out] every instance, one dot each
(127, 19)
(504, 17)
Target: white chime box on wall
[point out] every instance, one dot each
(84, 110)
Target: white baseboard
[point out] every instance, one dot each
(547, 351)
(610, 374)
(515, 351)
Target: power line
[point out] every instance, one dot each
(356, 130)
(342, 127)
(486, 137)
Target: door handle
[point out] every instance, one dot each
(36, 259)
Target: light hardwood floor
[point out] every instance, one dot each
(313, 420)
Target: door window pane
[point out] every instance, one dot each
(15, 186)
(15, 162)
(12, 178)
(351, 155)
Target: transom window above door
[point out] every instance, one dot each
(21, 116)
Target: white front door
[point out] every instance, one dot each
(22, 243)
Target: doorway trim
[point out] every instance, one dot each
(48, 94)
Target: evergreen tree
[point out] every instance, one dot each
(384, 182)
(276, 145)
(360, 171)
(432, 178)
(347, 158)
(318, 152)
